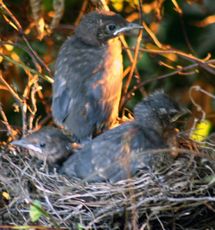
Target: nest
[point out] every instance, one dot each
(178, 196)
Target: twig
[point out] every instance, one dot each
(81, 12)
(58, 6)
(22, 102)
(133, 66)
(152, 35)
(11, 131)
(17, 26)
(131, 59)
(185, 34)
(31, 89)
(2, 43)
(22, 65)
(202, 62)
(178, 71)
(134, 211)
(198, 107)
(180, 13)
(11, 90)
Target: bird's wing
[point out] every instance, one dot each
(115, 155)
(66, 81)
(111, 155)
(96, 158)
(121, 152)
(75, 101)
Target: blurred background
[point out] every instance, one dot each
(176, 54)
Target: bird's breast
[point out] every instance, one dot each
(110, 70)
(113, 61)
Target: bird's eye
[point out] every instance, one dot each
(111, 27)
(42, 145)
(173, 112)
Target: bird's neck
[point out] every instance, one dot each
(88, 39)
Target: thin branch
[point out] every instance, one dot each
(22, 102)
(152, 35)
(23, 66)
(11, 90)
(208, 66)
(136, 52)
(2, 43)
(11, 131)
(16, 25)
(59, 6)
(150, 80)
(82, 11)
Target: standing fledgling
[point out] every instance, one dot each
(47, 144)
(121, 152)
(88, 75)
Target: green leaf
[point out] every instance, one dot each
(80, 227)
(35, 211)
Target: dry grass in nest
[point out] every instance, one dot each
(178, 196)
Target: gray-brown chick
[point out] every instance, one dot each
(88, 75)
(47, 144)
(121, 152)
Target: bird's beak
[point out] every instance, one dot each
(183, 111)
(24, 143)
(127, 28)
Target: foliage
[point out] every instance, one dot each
(175, 52)
(35, 211)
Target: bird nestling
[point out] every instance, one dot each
(88, 75)
(121, 152)
(48, 144)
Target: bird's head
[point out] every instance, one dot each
(48, 144)
(98, 27)
(160, 109)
